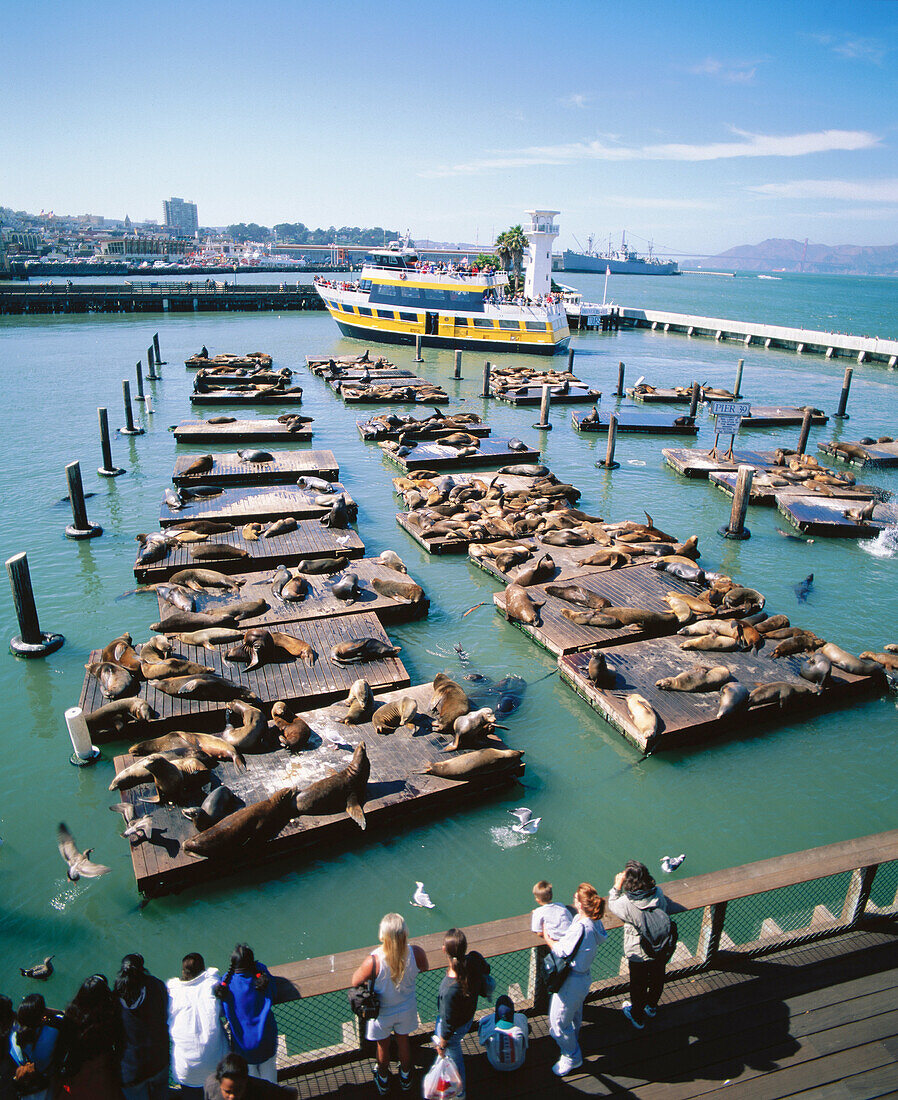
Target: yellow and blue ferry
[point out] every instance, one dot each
(399, 297)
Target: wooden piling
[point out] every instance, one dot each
(545, 402)
(80, 527)
(843, 396)
(619, 392)
(570, 360)
(736, 528)
(107, 469)
(458, 364)
(609, 463)
(129, 428)
(31, 641)
(486, 379)
(149, 405)
(156, 348)
(738, 385)
(140, 395)
(418, 357)
(805, 430)
(693, 404)
(151, 363)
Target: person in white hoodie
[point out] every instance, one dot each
(198, 1040)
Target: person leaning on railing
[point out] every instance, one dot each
(467, 978)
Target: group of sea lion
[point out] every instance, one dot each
(319, 365)
(507, 381)
(228, 361)
(407, 428)
(421, 393)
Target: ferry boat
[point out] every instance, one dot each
(620, 261)
(399, 297)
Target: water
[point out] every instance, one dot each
(809, 783)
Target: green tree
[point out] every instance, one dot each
(517, 244)
(503, 252)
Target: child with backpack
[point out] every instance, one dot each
(650, 937)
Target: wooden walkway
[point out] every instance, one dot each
(397, 789)
(407, 391)
(309, 540)
(255, 504)
(291, 680)
(230, 469)
(659, 395)
(687, 717)
(874, 454)
(827, 519)
(818, 1022)
(320, 603)
(438, 456)
(256, 431)
(636, 420)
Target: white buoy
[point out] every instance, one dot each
(85, 753)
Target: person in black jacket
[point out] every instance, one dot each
(92, 1043)
(143, 1006)
(7, 1066)
(457, 998)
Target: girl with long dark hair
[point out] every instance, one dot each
(245, 994)
(93, 1042)
(457, 999)
(143, 1010)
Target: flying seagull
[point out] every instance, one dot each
(79, 863)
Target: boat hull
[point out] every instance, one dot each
(598, 265)
(380, 336)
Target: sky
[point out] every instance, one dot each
(699, 126)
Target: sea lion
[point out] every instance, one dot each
(210, 637)
(180, 621)
(645, 717)
(588, 617)
(250, 532)
(294, 731)
(116, 716)
(543, 569)
(251, 729)
(695, 603)
(723, 643)
(171, 666)
(358, 704)
(357, 650)
(475, 763)
(344, 791)
(573, 593)
(182, 598)
(863, 514)
(200, 465)
(818, 669)
(277, 527)
(337, 515)
(887, 660)
(114, 680)
(391, 560)
(640, 616)
(208, 687)
(733, 699)
(613, 559)
(206, 743)
(697, 678)
(779, 691)
(857, 666)
(448, 701)
(321, 566)
(346, 587)
(525, 470)
(802, 642)
(775, 622)
(133, 775)
(216, 806)
(678, 569)
(519, 606)
(598, 671)
(394, 715)
(279, 578)
(679, 607)
(121, 652)
(253, 824)
(255, 456)
(472, 728)
(175, 779)
(401, 588)
(154, 547)
(216, 551)
(295, 590)
(205, 578)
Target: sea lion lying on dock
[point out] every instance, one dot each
(293, 731)
(359, 650)
(215, 807)
(472, 764)
(394, 715)
(249, 826)
(116, 716)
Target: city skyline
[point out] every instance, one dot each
(768, 120)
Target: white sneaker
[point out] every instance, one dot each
(566, 1065)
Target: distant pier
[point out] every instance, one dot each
(183, 297)
(833, 345)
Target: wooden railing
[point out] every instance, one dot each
(775, 886)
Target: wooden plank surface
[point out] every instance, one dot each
(437, 456)
(195, 362)
(309, 540)
(432, 546)
(229, 468)
(292, 680)
(372, 431)
(320, 603)
(533, 395)
(693, 462)
(511, 483)
(636, 586)
(397, 789)
(771, 416)
(767, 487)
(396, 379)
(238, 397)
(827, 518)
(412, 392)
(874, 454)
(258, 431)
(692, 716)
(636, 420)
(661, 395)
(253, 504)
(226, 381)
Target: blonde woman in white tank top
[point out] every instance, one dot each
(394, 966)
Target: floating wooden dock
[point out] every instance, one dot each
(318, 364)
(286, 466)
(292, 680)
(398, 790)
(880, 455)
(257, 431)
(256, 504)
(320, 603)
(511, 483)
(438, 456)
(444, 544)
(681, 395)
(767, 488)
(692, 462)
(235, 362)
(692, 716)
(309, 540)
(779, 416)
(410, 391)
(386, 376)
(827, 519)
(561, 395)
(568, 560)
(637, 420)
(372, 431)
(238, 380)
(637, 586)
(240, 397)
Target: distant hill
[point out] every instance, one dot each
(821, 259)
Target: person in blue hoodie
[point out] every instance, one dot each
(245, 994)
(143, 1007)
(34, 1048)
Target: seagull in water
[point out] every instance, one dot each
(671, 863)
(41, 971)
(421, 898)
(527, 823)
(79, 863)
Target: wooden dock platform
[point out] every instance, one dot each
(237, 380)
(827, 519)
(254, 504)
(286, 466)
(227, 359)
(441, 545)
(373, 430)
(408, 391)
(240, 397)
(561, 395)
(879, 455)
(636, 586)
(438, 456)
(636, 420)
(309, 540)
(292, 680)
(320, 364)
(692, 462)
(679, 395)
(779, 416)
(320, 603)
(568, 560)
(767, 488)
(256, 431)
(397, 790)
(386, 376)
(689, 717)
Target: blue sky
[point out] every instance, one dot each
(699, 125)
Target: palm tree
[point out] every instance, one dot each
(517, 244)
(503, 252)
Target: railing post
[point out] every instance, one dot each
(858, 894)
(156, 348)
(31, 641)
(129, 428)
(736, 393)
(418, 357)
(609, 463)
(81, 527)
(709, 933)
(537, 990)
(843, 396)
(570, 360)
(107, 469)
(619, 392)
(151, 359)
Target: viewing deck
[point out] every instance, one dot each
(201, 296)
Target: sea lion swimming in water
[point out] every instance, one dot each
(345, 791)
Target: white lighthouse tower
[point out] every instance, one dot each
(541, 233)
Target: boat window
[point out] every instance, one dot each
(537, 326)
(427, 297)
(482, 322)
(510, 324)
(461, 322)
(388, 314)
(365, 284)
(413, 317)
(364, 311)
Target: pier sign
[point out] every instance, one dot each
(727, 425)
(731, 408)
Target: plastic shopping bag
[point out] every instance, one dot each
(442, 1081)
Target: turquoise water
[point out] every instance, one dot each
(808, 783)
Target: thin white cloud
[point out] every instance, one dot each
(575, 100)
(748, 145)
(853, 48)
(731, 72)
(657, 204)
(845, 190)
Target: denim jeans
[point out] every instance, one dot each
(453, 1047)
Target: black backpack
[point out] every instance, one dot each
(659, 935)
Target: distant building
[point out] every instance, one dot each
(180, 217)
(147, 248)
